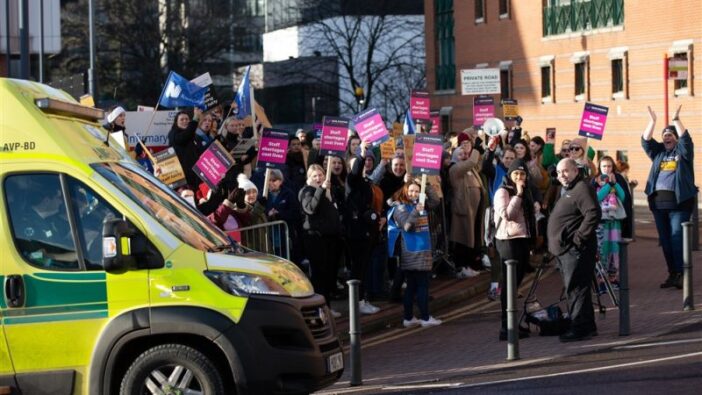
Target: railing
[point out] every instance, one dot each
(270, 238)
(582, 15)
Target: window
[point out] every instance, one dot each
(580, 62)
(548, 90)
(504, 9)
(444, 50)
(479, 11)
(44, 234)
(39, 219)
(681, 82)
(619, 64)
(506, 79)
(546, 82)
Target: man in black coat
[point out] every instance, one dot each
(572, 239)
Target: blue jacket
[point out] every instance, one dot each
(684, 173)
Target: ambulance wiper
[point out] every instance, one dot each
(220, 248)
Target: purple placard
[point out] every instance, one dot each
(370, 126)
(335, 133)
(483, 108)
(213, 164)
(273, 149)
(593, 121)
(435, 122)
(419, 105)
(426, 158)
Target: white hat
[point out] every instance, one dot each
(245, 183)
(115, 113)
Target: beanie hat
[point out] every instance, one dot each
(245, 183)
(464, 137)
(115, 113)
(670, 129)
(518, 164)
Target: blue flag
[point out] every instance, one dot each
(408, 127)
(243, 96)
(179, 92)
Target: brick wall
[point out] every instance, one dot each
(649, 30)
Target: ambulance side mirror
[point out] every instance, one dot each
(125, 247)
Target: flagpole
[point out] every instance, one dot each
(253, 109)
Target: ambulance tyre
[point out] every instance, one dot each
(170, 367)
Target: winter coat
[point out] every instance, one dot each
(320, 215)
(509, 216)
(410, 229)
(466, 206)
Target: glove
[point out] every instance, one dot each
(237, 197)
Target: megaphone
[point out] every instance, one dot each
(493, 126)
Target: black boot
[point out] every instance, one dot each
(670, 281)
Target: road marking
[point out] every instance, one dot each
(657, 344)
(590, 370)
(420, 386)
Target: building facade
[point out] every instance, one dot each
(556, 55)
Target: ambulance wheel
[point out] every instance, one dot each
(172, 369)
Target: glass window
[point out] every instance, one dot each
(444, 46)
(617, 76)
(504, 8)
(506, 83)
(164, 206)
(90, 211)
(479, 10)
(680, 85)
(580, 78)
(39, 220)
(545, 81)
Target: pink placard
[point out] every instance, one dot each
(427, 152)
(273, 149)
(593, 122)
(370, 126)
(435, 122)
(335, 132)
(213, 164)
(483, 108)
(419, 105)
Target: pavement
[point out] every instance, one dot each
(390, 351)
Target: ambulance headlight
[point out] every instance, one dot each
(245, 284)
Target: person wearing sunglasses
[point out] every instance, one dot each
(577, 150)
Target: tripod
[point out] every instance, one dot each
(602, 276)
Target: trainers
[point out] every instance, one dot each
(487, 264)
(335, 314)
(494, 293)
(367, 308)
(429, 322)
(467, 272)
(410, 323)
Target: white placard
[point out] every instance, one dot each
(480, 81)
(203, 80)
(136, 123)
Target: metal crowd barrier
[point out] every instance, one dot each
(270, 238)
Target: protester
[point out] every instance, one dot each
(362, 222)
(181, 138)
(282, 204)
(408, 236)
(577, 151)
(352, 147)
(612, 198)
(116, 119)
(537, 172)
(322, 231)
(295, 165)
(466, 227)
(572, 240)
(670, 189)
(515, 230)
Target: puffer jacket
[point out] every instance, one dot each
(509, 216)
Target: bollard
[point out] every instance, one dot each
(512, 330)
(624, 318)
(688, 302)
(696, 225)
(354, 333)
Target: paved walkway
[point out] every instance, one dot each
(468, 343)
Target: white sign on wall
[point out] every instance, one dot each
(480, 81)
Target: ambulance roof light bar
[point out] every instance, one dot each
(62, 107)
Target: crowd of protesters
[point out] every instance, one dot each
(366, 221)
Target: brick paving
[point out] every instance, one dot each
(468, 343)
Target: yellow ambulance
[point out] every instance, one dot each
(113, 284)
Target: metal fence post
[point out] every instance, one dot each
(624, 318)
(688, 302)
(354, 333)
(512, 331)
(696, 224)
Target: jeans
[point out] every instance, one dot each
(417, 284)
(669, 226)
(375, 272)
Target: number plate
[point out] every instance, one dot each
(335, 362)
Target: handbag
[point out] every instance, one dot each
(550, 320)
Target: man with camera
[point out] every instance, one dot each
(573, 241)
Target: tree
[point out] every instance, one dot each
(377, 51)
